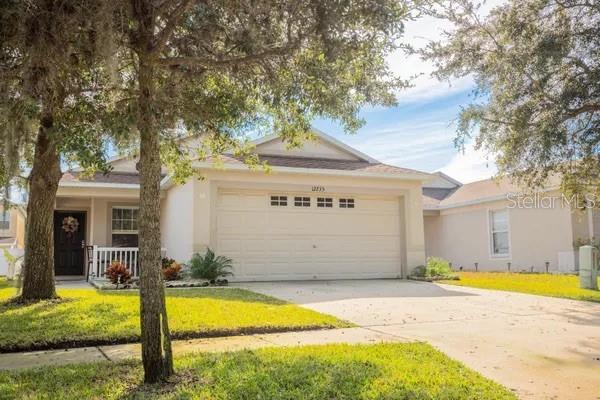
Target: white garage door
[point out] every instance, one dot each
(279, 236)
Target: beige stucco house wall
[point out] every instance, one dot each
(11, 222)
(458, 227)
(537, 236)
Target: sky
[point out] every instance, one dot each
(418, 133)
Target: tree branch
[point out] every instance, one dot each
(173, 20)
(573, 112)
(250, 58)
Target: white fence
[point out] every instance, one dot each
(102, 257)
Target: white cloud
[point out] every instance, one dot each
(471, 165)
(422, 140)
(425, 87)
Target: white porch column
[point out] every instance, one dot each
(91, 222)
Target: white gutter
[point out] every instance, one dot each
(104, 185)
(415, 176)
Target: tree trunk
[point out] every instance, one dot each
(153, 314)
(38, 266)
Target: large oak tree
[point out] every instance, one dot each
(536, 64)
(48, 96)
(222, 68)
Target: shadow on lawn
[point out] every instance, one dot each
(41, 325)
(233, 294)
(248, 375)
(91, 318)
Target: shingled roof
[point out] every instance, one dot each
(480, 191)
(322, 163)
(274, 161)
(99, 177)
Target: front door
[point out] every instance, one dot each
(69, 242)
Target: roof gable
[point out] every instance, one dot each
(442, 181)
(323, 147)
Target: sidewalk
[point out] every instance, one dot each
(13, 361)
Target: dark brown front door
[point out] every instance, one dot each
(69, 242)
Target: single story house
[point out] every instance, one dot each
(493, 225)
(325, 211)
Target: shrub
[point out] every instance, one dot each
(167, 262)
(436, 267)
(118, 273)
(171, 273)
(210, 266)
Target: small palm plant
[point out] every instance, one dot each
(210, 266)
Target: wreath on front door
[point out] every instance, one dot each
(70, 225)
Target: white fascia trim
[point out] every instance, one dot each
(417, 176)
(326, 138)
(105, 185)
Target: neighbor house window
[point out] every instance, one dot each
(499, 233)
(346, 203)
(279, 201)
(4, 220)
(302, 201)
(125, 226)
(326, 202)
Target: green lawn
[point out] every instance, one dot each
(87, 317)
(566, 286)
(381, 371)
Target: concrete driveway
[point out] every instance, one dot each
(541, 347)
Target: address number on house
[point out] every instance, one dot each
(318, 188)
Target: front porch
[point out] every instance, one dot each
(94, 227)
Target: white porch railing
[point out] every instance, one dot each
(102, 257)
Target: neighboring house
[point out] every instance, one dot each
(12, 233)
(326, 211)
(496, 225)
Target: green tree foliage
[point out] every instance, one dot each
(536, 64)
(225, 69)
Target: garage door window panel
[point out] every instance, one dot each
(300, 201)
(324, 202)
(279, 201)
(346, 203)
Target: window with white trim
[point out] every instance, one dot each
(300, 201)
(499, 233)
(124, 225)
(324, 202)
(346, 203)
(279, 201)
(4, 220)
